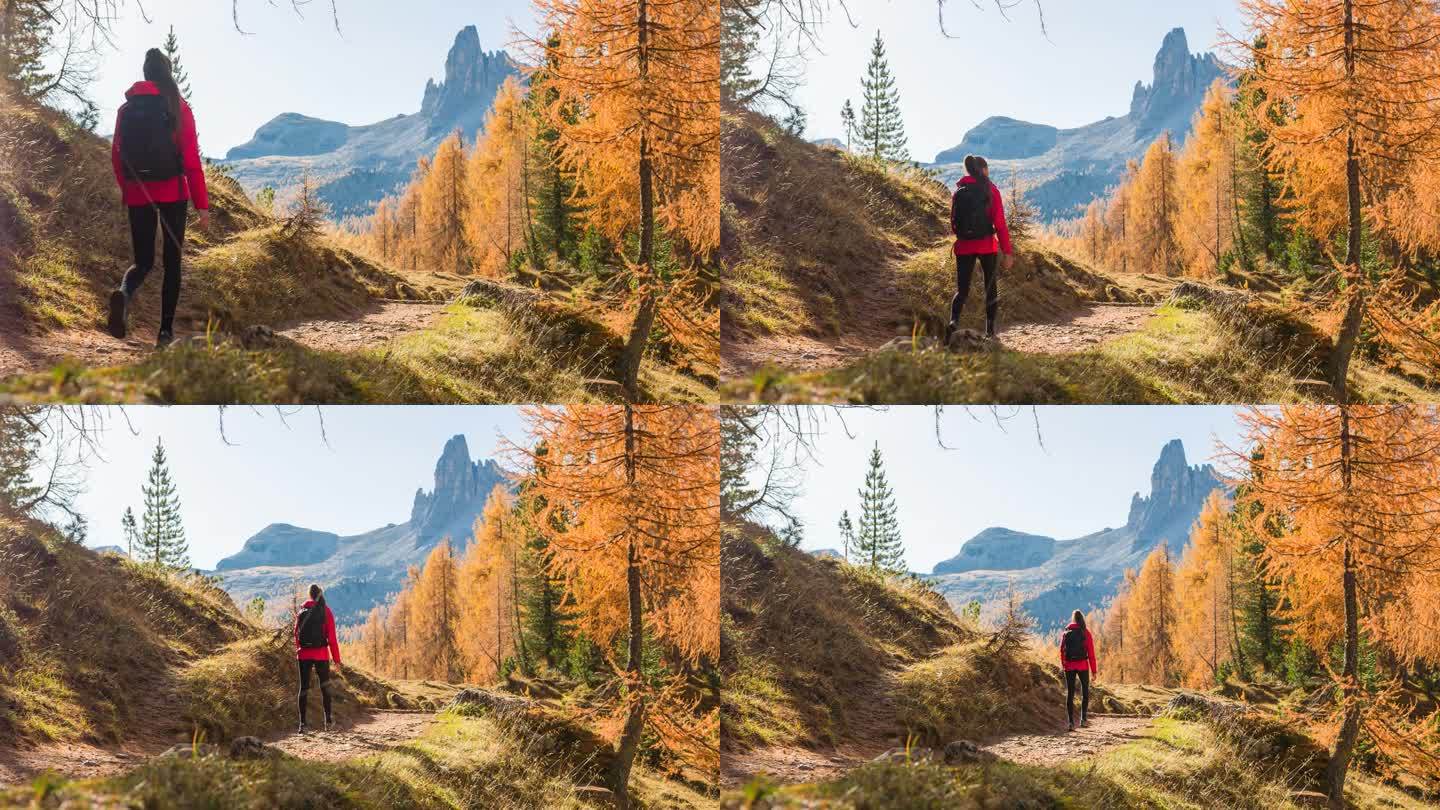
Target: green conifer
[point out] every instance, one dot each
(882, 128)
(162, 534)
(878, 544)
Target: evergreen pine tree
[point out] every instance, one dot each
(25, 30)
(882, 129)
(162, 535)
(740, 28)
(131, 530)
(847, 121)
(877, 544)
(172, 52)
(847, 534)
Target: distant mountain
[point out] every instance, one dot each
(358, 165)
(1055, 577)
(1062, 170)
(833, 142)
(359, 571)
(827, 553)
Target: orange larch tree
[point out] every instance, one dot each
(1205, 174)
(1150, 623)
(434, 614)
(631, 510)
(1151, 218)
(1350, 109)
(1206, 631)
(645, 75)
(500, 223)
(1349, 509)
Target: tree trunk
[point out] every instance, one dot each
(635, 722)
(1355, 294)
(1350, 686)
(645, 316)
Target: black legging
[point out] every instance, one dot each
(964, 270)
(323, 668)
(1084, 677)
(143, 219)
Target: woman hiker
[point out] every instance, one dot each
(316, 647)
(156, 157)
(977, 218)
(1077, 658)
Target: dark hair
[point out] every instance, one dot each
(1078, 618)
(157, 71)
(318, 595)
(975, 166)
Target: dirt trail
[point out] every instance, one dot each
(388, 320)
(1054, 748)
(376, 732)
(875, 323)
(1090, 327)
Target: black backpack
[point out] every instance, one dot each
(312, 628)
(147, 140)
(970, 211)
(1073, 642)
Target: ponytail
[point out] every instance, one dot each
(975, 166)
(158, 72)
(318, 595)
(1078, 618)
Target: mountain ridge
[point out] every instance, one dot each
(357, 165)
(1053, 576)
(359, 571)
(1061, 170)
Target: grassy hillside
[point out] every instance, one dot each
(64, 245)
(821, 656)
(804, 228)
(101, 651)
(828, 256)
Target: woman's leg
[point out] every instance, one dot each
(989, 264)
(142, 246)
(1070, 696)
(1084, 696)
(964, 269)
(304, 686)
(173, 217)
(324, 668)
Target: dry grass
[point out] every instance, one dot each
(808, 643)
(1183, 355)
(803, 226)
(972, 691)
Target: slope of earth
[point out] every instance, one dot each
(1063, 170)
(355, 166)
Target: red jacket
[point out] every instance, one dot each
(189, 186)
(1079, 666)
(974, 247)
(318, 653)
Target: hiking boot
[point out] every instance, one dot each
(950, 332)
(304, 729)
(329, 725)
(165, 339)
(119, 303)
(1072, 727)
(1085, 723)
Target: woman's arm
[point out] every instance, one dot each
(115, 151)
(997, 216)
(190, 155)
(330, 636)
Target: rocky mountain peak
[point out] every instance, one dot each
(1180, 80)
(472, 77)
(1176, 492)
(459, 485)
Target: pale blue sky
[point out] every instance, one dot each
(373, 69)
(1080, 481)
(1084, 71)
(363, 479)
